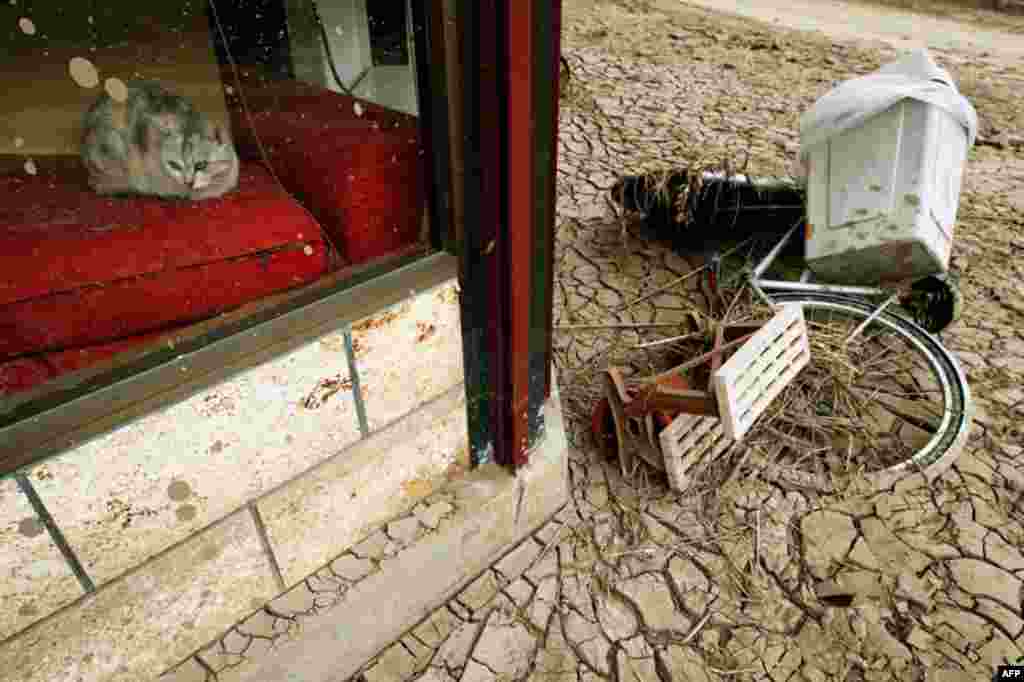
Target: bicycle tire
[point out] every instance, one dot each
(943, 448)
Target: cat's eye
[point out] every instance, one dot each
(202, 165)
(175, 165)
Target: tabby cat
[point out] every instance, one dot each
(156, 143)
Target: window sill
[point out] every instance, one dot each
(86, 404)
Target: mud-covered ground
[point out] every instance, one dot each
(969, 12)
(633, 582)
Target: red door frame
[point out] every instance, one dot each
(510, 92)
(520, 229)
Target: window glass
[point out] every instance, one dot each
(163, 163)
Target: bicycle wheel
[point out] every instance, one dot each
(894, 400)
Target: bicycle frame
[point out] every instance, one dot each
(761, 286)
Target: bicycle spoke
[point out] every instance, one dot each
(867, 405)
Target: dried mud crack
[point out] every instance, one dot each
(746, 577)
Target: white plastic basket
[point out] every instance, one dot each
(742, 388)
(885, 156)
(688, 445)
(755, 375)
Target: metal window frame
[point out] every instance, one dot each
(83, 405)
(503, 91)
(509, 94)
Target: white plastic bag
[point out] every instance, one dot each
(854, 101)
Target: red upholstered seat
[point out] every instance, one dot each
(78, 269)
(26, 372)
(356, 165)
(84, 277)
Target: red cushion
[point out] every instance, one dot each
(79, 269)
(362, 176)
(24, 373)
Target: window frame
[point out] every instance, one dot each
(77, 407)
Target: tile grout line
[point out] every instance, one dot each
(87, 584)
(357, 393)
(55, 535)
(261, 532)
(90, 589)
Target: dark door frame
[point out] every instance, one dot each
(509, 94)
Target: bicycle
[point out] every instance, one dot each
(920, 383)
(901, 376)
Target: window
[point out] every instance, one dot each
(174, 173)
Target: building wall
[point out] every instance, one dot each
(468, 539)
(194, 518)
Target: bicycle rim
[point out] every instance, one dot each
(947, 441)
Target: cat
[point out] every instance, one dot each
(156, 143)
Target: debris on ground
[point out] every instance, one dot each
(756, 572)
(885, 155)
(668, 423)
(689, 209)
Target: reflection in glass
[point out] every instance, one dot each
(161, 164)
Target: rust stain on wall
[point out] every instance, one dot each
(424, 330)
(324, 390)
(334, 343)
(448, 295)
(124, 513)
(455, 471)
(461, 464)
(216, 404)
(379, 321)
(358, 347)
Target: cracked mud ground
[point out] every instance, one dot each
(752, 580)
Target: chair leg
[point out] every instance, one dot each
(616, 401)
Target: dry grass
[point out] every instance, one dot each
(823, 431)
(829, 427)
(815, 436)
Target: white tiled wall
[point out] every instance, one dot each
(130, 494)
(152, 618)
(166, 514)
(315, 517)
(409, 354)
(34, 578)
